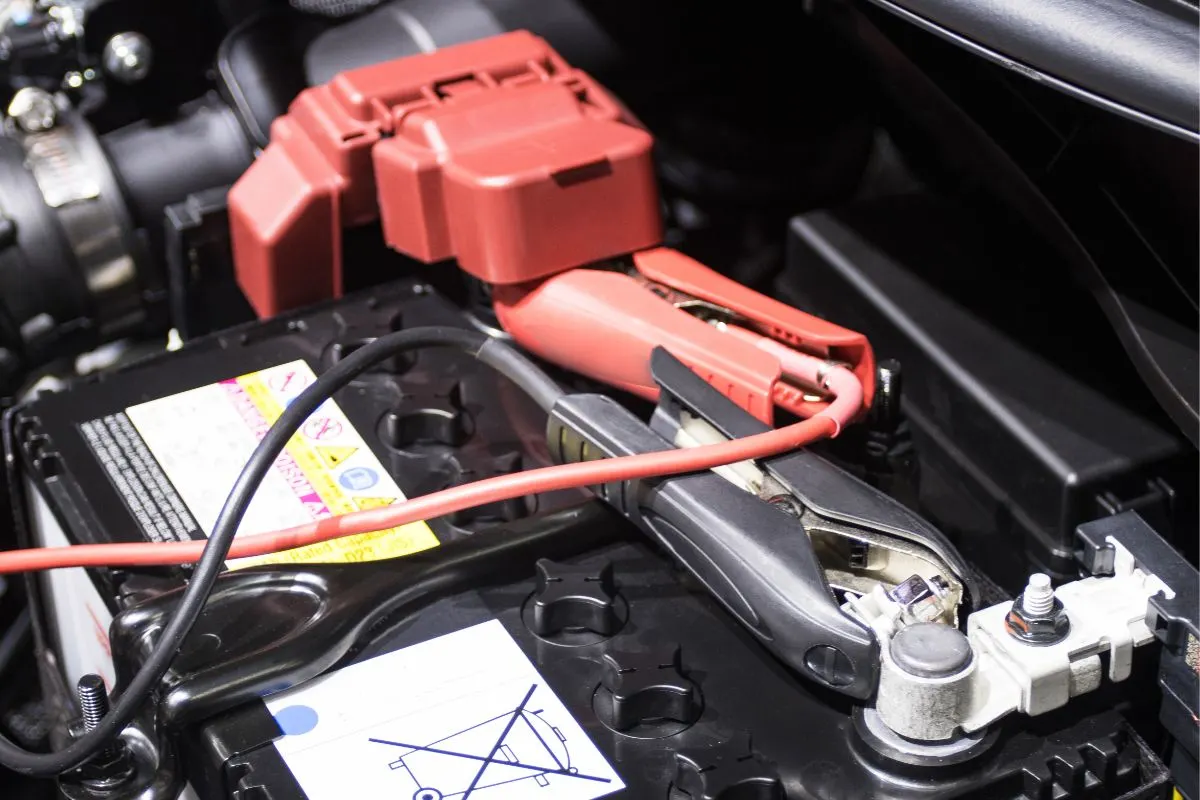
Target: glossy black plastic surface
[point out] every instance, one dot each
(265, 629)
(1026, 416)
(504, 434)
(1174, 616)
(1113, 202)
(1133, 57)
(762, 731)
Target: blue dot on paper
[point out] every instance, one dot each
(359, 478)
(296, 720)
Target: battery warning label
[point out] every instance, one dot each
(465, 716)
(200, 439)
(145, 489)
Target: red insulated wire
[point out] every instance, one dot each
(458, 498)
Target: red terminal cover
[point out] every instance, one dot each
(494, 152)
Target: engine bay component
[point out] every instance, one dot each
(1107, 543)
(557, 149)
(33, 109)
(74, 271)
(676, 644)
(940, 689)
(42, 42)
(517, 204)
(1041, 449)
(128, 57)
(61, 452)
(1150, 80)
(760, 352)
(1037, 675)
(507, 491)
(334, 8)
(345, 467)
(308, 616)
(81, 215)
(773, 576)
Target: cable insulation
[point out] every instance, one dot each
(447, 501)
(827, 423)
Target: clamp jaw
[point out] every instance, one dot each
(775, 543)
(500, 155)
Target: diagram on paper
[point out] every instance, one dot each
(461, 717)
(514, 747)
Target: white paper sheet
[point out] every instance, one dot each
(462, 717)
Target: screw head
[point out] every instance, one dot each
(107, 770)
(33, 109)
(128, 57)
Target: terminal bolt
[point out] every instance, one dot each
(113, 766)
(921, 600)
(1037, 617)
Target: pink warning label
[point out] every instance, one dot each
(285, 465)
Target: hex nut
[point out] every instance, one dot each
(1040, 629)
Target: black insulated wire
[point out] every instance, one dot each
(130, 699)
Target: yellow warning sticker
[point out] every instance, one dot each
(203, 437)
(365, 503)
(334, 456)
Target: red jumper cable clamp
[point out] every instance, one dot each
(605, 324)
(499, 154)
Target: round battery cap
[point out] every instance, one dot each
(931, 650)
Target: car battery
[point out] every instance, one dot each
(533, 649)
(602, 673)
(148, 453)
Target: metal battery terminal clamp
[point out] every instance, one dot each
(777, 543)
